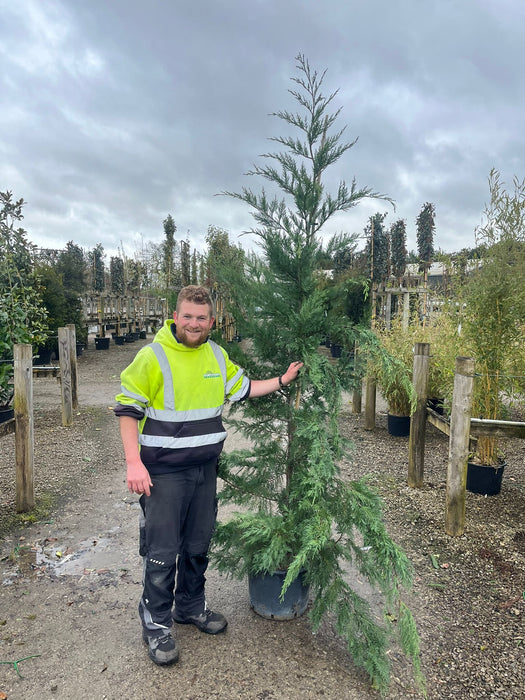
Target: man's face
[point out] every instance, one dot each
(194, 322)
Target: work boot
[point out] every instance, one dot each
(162, 648)
(208, 621)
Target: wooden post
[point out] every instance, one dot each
(459, 446)
(388, 310)
(357, 394)
(24, 433)
(416, 443)
(406, 310)
(65, 376)
(73, 360)
(370, 404)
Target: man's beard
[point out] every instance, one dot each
(191, 341)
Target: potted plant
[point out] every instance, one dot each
(22, 315)
(493, 308)
(391, 363)
(298, 518)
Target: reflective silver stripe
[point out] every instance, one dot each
(131, 395)
(233, 381)
(220, 360)
(179, 443)
(183, 416)
(242, 391)
(167, 377)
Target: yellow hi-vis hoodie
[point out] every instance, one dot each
(177, 394)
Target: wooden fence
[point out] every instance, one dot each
(123, 314)
(461, 428)
(22, 423)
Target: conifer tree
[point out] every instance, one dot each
(168, 249)
(398, 248)
(299, 513)
(377, 247)
(426, 227)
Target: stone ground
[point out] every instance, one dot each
(70, 582)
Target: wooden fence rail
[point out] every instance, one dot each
(22, 424)
(461, 429)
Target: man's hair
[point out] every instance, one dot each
(196, 295)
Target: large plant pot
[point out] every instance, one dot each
(102, 343)
(398, 426)
(336, 350)
(44, 356)
(483, 479)
(6, 414)
(142, 335)
(265, 591)
(119, 339)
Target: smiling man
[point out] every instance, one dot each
(170, 411)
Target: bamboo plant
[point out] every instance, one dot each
(493, 307)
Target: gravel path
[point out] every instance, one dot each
(70, 583)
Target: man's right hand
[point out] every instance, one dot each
(139, 480)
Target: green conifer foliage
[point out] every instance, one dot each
(398, 248)
(296, 511)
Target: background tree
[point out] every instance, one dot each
(398, 248)
(221, 254)
(136, 275)
(23, 317)
(378, 247)
(299, 513)
(425, 245)
(168, 251)
(426, 227)
(194, 268)
(185, 263)
(98, 268)
(116, 271)
(71, 265)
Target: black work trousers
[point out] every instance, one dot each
(176, 527)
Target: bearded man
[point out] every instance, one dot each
(170, 412)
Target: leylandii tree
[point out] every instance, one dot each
(297, 513)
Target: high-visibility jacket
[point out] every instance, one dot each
(177, 394)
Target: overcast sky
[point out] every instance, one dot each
(116, 113)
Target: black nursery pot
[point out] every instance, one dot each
(102, 343)
(265, 591)
(484, 479)
(398, 426)
(6, 414)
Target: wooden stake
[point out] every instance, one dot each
(459, 446)
(24, 434)
(416, 444)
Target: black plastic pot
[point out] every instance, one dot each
(142, 335)
(265, 591)
(484, 479)
(102, 343)
(119, 340)
(43, 356)
(6, 414)
(398, 426)
(336, 350)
